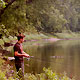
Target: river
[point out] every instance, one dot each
(61, 56)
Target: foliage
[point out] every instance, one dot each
(1, 42)
(2, 76)
(2, 4)
(3, 30)
(67, 35)
(9, 74)
(1, 62)
(70, 9)
(19, 75)
(49, 16)
(47, 75)
(45, 18)
(35, 36)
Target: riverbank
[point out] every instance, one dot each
(40, 36)
(68, 35)
(28, 37)
(10, 41)
(7, 73)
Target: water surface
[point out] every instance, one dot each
(61, 56)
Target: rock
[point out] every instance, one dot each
(58, 57)
(8, 44)
(11, 58)
(5, 58)
(0, 36)
(5, 52)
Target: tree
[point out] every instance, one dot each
(46, 16)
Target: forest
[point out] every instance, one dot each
(48, 16)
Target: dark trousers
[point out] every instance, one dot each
(20, 65)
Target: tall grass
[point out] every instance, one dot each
(67, 35)
(35, 36)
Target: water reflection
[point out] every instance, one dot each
(60, 56)
(69, 50)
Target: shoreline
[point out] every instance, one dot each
(51, 39)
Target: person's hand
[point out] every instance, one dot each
(27, 55)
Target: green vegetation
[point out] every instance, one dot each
(2, 4)
(9, 74)
(47, 75)
(37, 36)
(39, 16)
(67, 35)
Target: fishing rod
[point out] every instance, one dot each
(42, 60)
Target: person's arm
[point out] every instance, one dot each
(21, 55)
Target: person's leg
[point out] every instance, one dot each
(20, 69)
(22, 66)
(17, 65)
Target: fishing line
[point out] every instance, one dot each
(43, 60)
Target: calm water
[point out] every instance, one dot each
(61, 56)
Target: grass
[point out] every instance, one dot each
(36, 36)
(1, 42)
(67, 35)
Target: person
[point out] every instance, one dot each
(19, 54)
